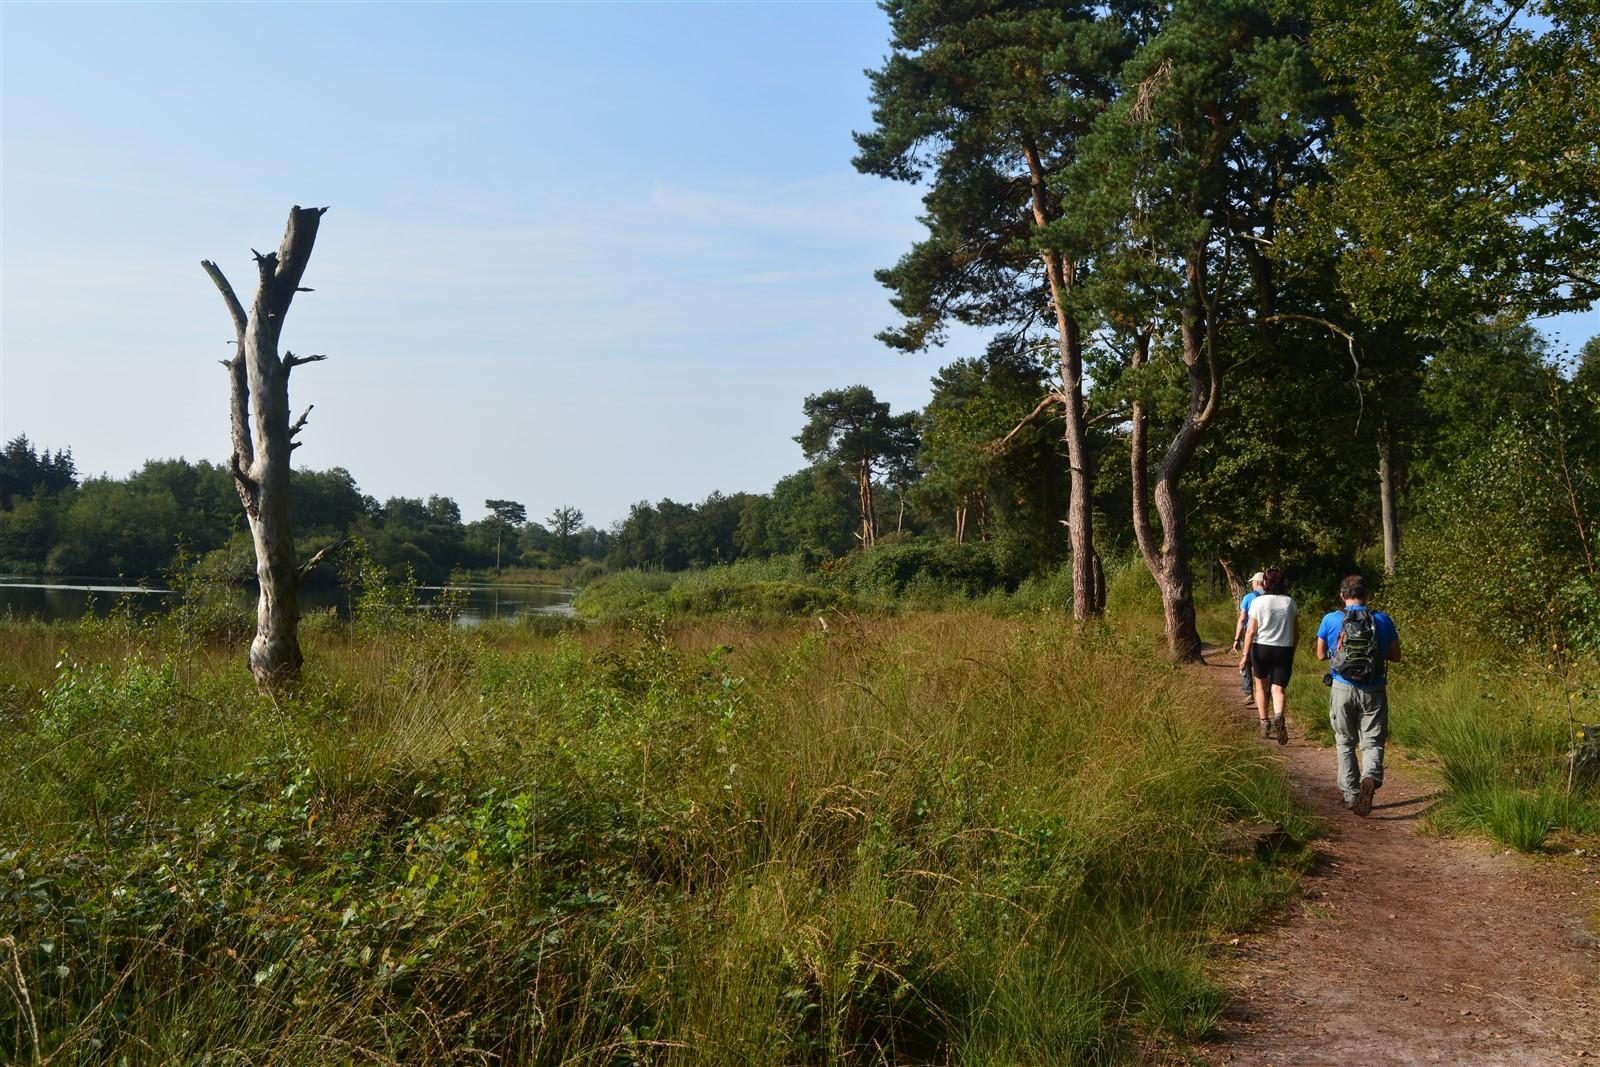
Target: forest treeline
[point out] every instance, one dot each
(51, 522)
(1498, 417)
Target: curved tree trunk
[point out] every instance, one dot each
(1236, 585)
(262, 439)
(1169, 564)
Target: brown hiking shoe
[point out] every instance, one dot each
(1266, 729)
(1280, 729)
(1363, 804)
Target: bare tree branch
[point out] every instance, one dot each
(301, 421)
(235, 309)
(321, 554)
(997, 448)
(291, 361)
(1331, 327)
(1114, 413)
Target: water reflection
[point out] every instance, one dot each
(68, 599)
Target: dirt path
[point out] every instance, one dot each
(1408, 948)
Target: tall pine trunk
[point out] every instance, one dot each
(262, 438)
(1061, 274)
(869, 517)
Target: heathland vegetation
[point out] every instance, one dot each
(938, 836)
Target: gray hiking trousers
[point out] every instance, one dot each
(1360, 719)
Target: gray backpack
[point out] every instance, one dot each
(1355, 656)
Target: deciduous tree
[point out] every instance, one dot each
(565, 522)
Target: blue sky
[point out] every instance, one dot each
(576, 254)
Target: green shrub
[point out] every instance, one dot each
(933, 569)
(1131, 591)
(620, 593)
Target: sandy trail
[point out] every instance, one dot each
(1408, 948)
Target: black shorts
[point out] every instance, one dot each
(1272, 663)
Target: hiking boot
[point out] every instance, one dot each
(1266, 729)
(1363, 804)
(1280, 729)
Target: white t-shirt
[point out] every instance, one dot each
(1273, 614)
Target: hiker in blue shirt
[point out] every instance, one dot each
(1362, 643)
(1246, 681)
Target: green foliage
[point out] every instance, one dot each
(1505, 547)
(764, 589)
(210, 607)
(1464, 172)
(27, 473)
(968, 94)
(1019, 492)
(937, 569)
(620, 593)
(380, 604)
(130, 527)
(852, 430)
(1501, 731)
(1131, 591)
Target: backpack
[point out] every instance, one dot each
(1355, 657)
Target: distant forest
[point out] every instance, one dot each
(1292, 481)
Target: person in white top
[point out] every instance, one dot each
(1269, 642)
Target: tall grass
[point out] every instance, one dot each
(1496, 728)
(931, 839)
(1497, 725)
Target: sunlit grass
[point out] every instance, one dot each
(940, 838)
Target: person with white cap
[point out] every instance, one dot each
(1246, 682)
(1269, 643)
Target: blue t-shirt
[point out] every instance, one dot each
(1328, 632)
(1246, 600)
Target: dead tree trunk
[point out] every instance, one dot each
(263, 437)
(1391, 520)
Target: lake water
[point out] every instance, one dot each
(64, 599)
